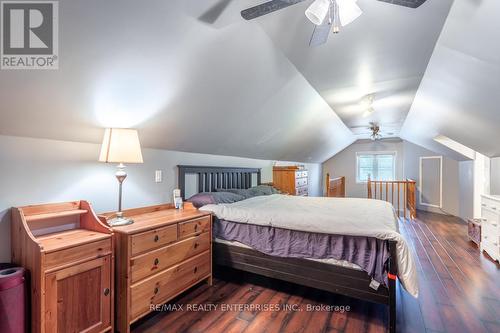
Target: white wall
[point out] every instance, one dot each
(344, 163)
(407, 166)
(495, 176)
(466, 183)
(36, 171)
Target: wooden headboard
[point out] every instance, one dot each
(210, 178)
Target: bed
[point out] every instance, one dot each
(288, 214)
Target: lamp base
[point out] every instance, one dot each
(120, 220)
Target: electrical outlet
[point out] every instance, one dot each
(158, 176)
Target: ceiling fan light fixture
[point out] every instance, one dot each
(348, 11)
(367, 101)
(368, 112)
(318, 11)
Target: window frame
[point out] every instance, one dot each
(360, 153)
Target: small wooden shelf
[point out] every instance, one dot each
(47, 216)
(69, 238)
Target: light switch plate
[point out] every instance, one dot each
(158, 176)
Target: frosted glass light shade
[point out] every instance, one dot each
(317, 11)
(348, 11)
(120, 145)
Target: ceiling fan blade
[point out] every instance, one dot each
(266, 8)
(320, 34)
(406, 3)
(213, 13)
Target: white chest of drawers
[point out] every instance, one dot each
(490, 226)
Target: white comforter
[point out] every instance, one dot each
(345, 216)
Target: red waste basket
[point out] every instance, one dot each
(12, 300)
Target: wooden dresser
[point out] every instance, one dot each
(490, 226)
(162, 254)
(291, 180)
(71, 269)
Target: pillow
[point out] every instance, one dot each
(252, 191)
(206, 198)
(264, 189)
(246, 193)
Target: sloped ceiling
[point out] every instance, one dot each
(459, 94)
(252, 89)
(185, 84)
(384, 52)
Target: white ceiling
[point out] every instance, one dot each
(252, 89)
(186, 85)
(385, 52)
(459, 95)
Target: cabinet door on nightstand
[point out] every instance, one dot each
(78, 298)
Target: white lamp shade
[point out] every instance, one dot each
(317, 11)
(120, 145)
(348, 11)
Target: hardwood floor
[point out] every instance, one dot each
(459, 292)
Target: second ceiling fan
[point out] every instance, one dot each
(326, 15)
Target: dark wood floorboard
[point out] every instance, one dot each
(459, 292)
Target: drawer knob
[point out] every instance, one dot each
(157, 238)
(195, 227)
(156, 290)
(196, 269)
(196, 245)
(157, 261)
(106, 291)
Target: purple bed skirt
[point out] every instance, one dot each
(371, 254)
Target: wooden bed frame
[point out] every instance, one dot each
(335, 187)
(335, 279)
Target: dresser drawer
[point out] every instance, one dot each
(153, 262)
(490, 204)
(78, 253)
(301, 174)
(489, 218)
(194, 227)
(161, 287)
(301, 182)
(302, 191)
(153, 239)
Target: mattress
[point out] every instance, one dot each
(334, 216)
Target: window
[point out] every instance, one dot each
(377, 165)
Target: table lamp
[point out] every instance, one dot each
(120, 145)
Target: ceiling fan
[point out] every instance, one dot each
(375, 128)
(325, 14)
(374, 131)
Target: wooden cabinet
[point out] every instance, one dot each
(69, 254)
(490, 226)
(291, 180)
(78, 298)
(162, 254)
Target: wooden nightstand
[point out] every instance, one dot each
(162, 254)
(71, 269)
